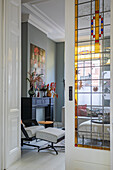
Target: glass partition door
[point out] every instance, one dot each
(92, 74)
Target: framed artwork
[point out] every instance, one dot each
(37, 59)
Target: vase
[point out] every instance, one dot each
(44, 91)
(44, 94)
(49, 94)
(38, 94)
(41, 94)
(31, 92)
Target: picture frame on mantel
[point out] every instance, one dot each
(37, 60)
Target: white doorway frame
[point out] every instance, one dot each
(10, 146)
(111, 95)
(1, 85)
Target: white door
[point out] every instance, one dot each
(1, 76)
(12, 81)
(84, 158)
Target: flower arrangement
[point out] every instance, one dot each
(35, 81)
(51, 90)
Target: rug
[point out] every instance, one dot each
(60, 146)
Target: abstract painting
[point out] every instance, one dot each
(37, 59)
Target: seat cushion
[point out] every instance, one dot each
(50, 134)
(31, 131)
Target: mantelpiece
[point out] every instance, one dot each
(29, 106)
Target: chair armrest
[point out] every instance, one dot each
(24, 131)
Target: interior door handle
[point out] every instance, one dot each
(70, 93)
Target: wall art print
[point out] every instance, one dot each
(37, 57)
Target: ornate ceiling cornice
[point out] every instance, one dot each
(40, 20)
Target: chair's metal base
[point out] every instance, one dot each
(28, 144)
(59, 146)
(51, 146)
(31, 145)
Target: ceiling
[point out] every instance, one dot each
(46, 15)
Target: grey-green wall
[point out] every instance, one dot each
(50, 62)
(31, 35)
(59, 80)
(54, 62)
(24, 60)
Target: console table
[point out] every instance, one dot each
(30, 104)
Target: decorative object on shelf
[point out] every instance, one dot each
(95, 89)
(31, 92)
(44, 92)
(49, 94)
(44, 89)
(51, 90)
(35, 81)
(38, 94)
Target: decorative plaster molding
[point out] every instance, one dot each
(35, 1)
(40, 1)
(28, 1)
(43, 22)
(32, 20)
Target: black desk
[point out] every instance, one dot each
(29, 105)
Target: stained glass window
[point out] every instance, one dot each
(92, 74)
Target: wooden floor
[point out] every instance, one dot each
(43, 160)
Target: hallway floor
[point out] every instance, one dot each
(43, 160)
